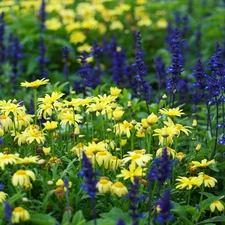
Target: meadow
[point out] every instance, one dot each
(112, 112)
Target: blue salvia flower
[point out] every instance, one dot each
(17, 54)
(65, 55)
(199, 84)
(160, 73)
(42, 15)
(176, 64)
(215, 77)
(96, 51)
(120, 222)
(165, 206)
(197, 42)
(142, 88)
(2, 33)
(2, 187)
(43, 73)
(89, 185)
(169, 36)
(86, 74)
(134, 199)
(8, 212)
(9, 46)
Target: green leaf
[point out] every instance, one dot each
(214, 219)
(66, 217)
(42, 219)
(78, 218)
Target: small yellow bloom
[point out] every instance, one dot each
(114, 91)
(194, 123)
(22, 178)
(170, 151)
(172, 112)
(217, 205)
(103, 158)
(114, 163)
(46, 150)
(198, 147)
(2, 196)
(152, 119)
(20, 214)
(35, 84)
(117, 114)
(187, 182)
(118, 189)
(132, 172)
(180, 156)
(204, 163)
(50, 125)
(207, 180)
(104, 185)
(6, 159)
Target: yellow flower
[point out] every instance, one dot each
(207, 180)
(114, 163)
(22, 178)
(104, 185)
(50, 125)
(198, 147)
(53, 24)
(77, 37)
(27, 160)
(136, 157)
(20, 214)
(6, 159)
(170, 151)
(165, 135)
(132, 172)
(180, 156)
(103, 158)
(35, 84)
(187, 182)
(216, 205)
(152, 119)
(203, 163)
(194, 123)
(172, 112)
(2, 196)
(95, 147)
(117, 114)
(178, 127)
(123, 128)
(50, 99)
(5, 122)
(114, 91)
(46, 150)
(118, 189)
(32, 133)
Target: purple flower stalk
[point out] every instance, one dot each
(8, 212)
(2, 33)
(42, 15)
(142, 87)
(134, 199)
(165, 206)
(176, 65)
(65, 55)
(89, 185)
(86, 73)
(120, 222)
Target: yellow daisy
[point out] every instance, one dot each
(35, 84)
(217, 205)
(6, 159)
(172, 112)
(187, 182)
(3, 196)
(207, 180)
(20, 214)
(132, 172)
(22, 178)
(119, 189)
(50, 125)
(204, 163)
(104, 185)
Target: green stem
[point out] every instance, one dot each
(35, 105)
